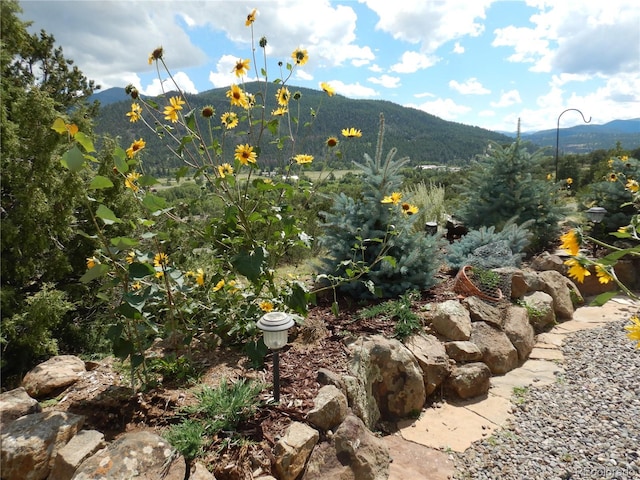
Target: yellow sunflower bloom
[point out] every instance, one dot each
(266, 306)
(332, 142)
(131, 180)
(229, 120)
(131, 257)
(632, 186)
(200, 277)
(634, 330)
(571, 242)
(251, 18)
(409, 209)
(301, 159)
(328, 89)
(136, 112)
(577, 270)
(241, 67)
(394, 198)
(283, 95)
(613, 177)
(161, 259)
(136, 285)
(604, 276)
(237, 96)
(92, 262)
(159, 274)
(351, 132)
(135, 147)
(569, 181)
(549, 176)
(280, 112)
(300, 56)
(245, 154)
(224, 170)
(171, 110)
(218, 286)
(155, 55)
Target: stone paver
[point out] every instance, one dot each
(456, 425)
(413, 461)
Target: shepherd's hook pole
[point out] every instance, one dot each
(558, 133)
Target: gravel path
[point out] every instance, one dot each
(584, 426)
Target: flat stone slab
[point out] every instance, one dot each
(546, 354)
(553, 339)
(533, 372)
(414, 461)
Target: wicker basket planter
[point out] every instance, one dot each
(466, 286)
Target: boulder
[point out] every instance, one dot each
(518, 282)
(548, 261)
(354, 453)
(360, 396)
(79, 448)
(392, 375)
(563, 291)
(53, 375)
(327, 377)
(329, 408)
(451, 320)
(540, 310)
(293, 449)
(469, 380)
(519, 331)
(463, 351)
(200, 472)
(497, 350)
(481, 311)
(30, 443)
(141, 455)
(432, 358)
(14, 404)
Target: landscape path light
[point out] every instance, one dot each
(596, 215)
(275, 327)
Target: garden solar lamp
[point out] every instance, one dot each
(595, 215)
(275, 326)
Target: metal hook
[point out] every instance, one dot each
(558, 132)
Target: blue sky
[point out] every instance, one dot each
(477, 62)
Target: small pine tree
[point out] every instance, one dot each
(503, 186)
(377, 239)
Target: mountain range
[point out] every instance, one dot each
(424, 138)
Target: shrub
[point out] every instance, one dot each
(371, 240)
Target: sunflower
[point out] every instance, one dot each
(634, 330)
(229, 120)
(604, 276)
(632, 186)
(328, 89)
(155, 55)
(131, 180)
(300, 56)
(394, 198)
(136, 112)
(301, 159)
(224, 170)
(237, 96)
(409, 209)
(351, 132)
(161, 259)
(241, 67)
(266, 306)
(245, 154)
(251, 18)
(577, 270)
(135, 147)
(332, 142)
(171, 110)
(280, 112)
(571, 242)
(283, 95)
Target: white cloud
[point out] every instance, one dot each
(457, 48)
(411, 62)
(471, 87)
(444, 108)
(353, 90)
(386, 81)
(181, 79)
(425, 94)
(304, 76)
(375, 68)
(507, 99)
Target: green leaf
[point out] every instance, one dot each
(147, 181)
(154, 202)
(335, 309)
(298, 299)
(181, 172)
(107, 215)
(390, 260)
(250, 264)
(603, 298)
(135, 301)
(73, 159)
(59, 126)
(122, 348)
(95, 272)
(123, 243)
(191, 121)
(99, 182)
(140, 270)
(86, 142)
(120, 159)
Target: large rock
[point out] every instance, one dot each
(548, 261)
(14, 404)
(141, 455)
(392, 374)
(432, 358)
(541, 312)
(481, 311)
(329, 408)
(463, 351)
(563, 291)
(30, 443)
(79, 448)
(518, 282)
(519, 331)
(53, 375)
(497, 350)
(293, 449)
(469, 380)
(451, 320)
(360, 396)
(354, 453)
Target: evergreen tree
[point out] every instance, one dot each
(375, 239)
(503, 187)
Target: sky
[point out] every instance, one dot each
(486, 63)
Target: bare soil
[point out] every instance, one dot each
(105, 398)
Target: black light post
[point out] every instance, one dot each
(596, 215)
(275, 326)
(558, 133)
